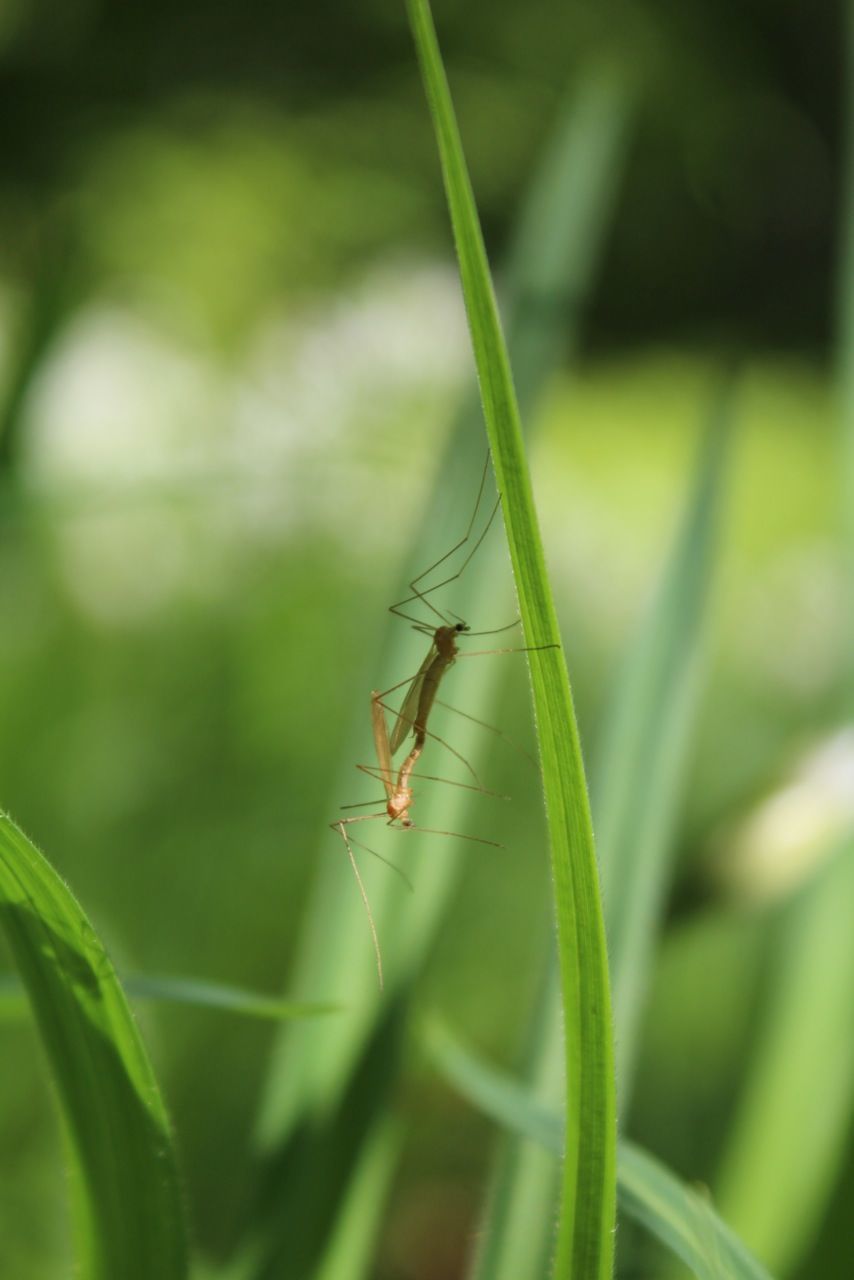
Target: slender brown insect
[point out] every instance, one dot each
(414, 713)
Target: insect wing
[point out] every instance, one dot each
(381, 744)
(405, 722)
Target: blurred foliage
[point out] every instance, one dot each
(225, 300)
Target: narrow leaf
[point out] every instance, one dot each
(680, 1217)
(350, 1249)
(789, 1133)
(172, 990)
(563, 225)
(129, 1212)
(641, 767)
(584, 1246)
(637, 790)
(516, 1239)
(222, 998)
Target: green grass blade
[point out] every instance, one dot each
(216, 996)
(640, 768)
(515, 1241)
(637, 786)
(563, 226)
(594, 119)
(584, 1246)
(681, 1218)
(129, 1212)
(496, 1093)
(789, 1132)
(222, 998)
(350, 1249)
(588, 141)
(558, 246)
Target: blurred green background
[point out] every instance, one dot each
(231, 346)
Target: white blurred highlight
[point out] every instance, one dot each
(163, 460)
(791, 832)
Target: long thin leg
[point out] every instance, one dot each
(364, 804)
(428, 591)
(363, 817)
(373, 772)
(484, 724)
(427, 831)
(408, 679)
(394, 688)
(339, 827)
(494, 631)
(428, 733)
(464, 539)
(360, 845)
(457, 835)
(439, 703)
(392, 866)
(422, 595)
(528, 648)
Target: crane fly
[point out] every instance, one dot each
(414, 713)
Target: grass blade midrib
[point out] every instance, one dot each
(584, 1246)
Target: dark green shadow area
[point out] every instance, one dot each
(301, 1187)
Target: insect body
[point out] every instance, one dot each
(398, 791)
(419, 700)
(413, 716)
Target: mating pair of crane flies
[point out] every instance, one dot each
(421, 696)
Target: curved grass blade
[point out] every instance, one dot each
(680, 1217)
(636, 791)
(349, 1251)
(128, 1206)
(222, 998)
(518, 1229)
(562, 230)
(640, 768)
(219, 997)
(789, 1132)
(585, 1242)
(588, 143)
